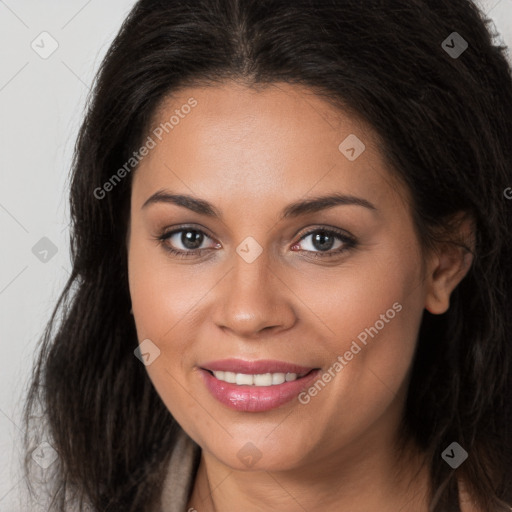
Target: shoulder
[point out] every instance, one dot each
(181, 473)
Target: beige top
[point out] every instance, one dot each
(181, 474)
(182, 471)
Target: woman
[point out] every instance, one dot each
(292, 265)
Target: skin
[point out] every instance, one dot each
(250, 153)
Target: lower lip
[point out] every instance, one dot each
(255, 398)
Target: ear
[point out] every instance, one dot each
(448, 264)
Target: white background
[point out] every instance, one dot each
(41, 105)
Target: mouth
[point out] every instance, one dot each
(255, 386)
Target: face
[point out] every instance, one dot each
(268, 280)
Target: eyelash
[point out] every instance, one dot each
(349, 242)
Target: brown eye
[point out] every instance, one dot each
(323, 241)
(326, 241)
(191, 239)
(186, 241)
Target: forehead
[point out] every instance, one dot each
(280, 141)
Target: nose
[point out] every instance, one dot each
(254, 298)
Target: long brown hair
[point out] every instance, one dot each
(446, 126)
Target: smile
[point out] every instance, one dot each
(261, 379)
(255, 386)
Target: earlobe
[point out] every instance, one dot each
(452, 266)
(448, 266)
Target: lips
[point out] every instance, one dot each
(254, 397)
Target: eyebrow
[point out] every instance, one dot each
(295, 209)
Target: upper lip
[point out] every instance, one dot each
(256, 367)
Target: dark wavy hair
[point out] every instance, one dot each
(445, 127)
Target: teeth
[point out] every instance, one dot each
(229, 377)
(264, 379)
(242, 379)
(278, 378)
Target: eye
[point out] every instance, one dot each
(186, 241)
(323, 242)
(320, 242)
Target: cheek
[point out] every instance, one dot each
(163, 300)
(373, 311)
(159, 301)
(163, 295)
(357, 294)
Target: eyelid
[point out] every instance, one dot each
(168, 233)
(328, 229)
(180, 227)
